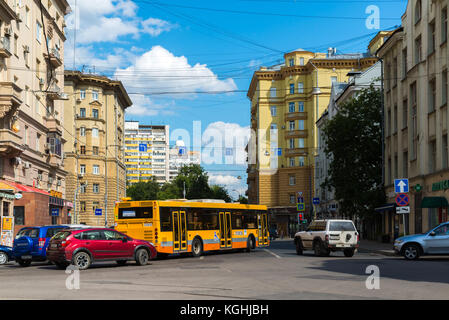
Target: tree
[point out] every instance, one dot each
(243, 200)
(218, 192)
(147, 190)
(195, 180)
(353, 141)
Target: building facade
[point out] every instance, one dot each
(180, 156)
(415, 62)
(286, 102)
(32, 110)
(146, 152)
(94, 149)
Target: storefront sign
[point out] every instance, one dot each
(442, 185)
(7, 231)
(7, 196)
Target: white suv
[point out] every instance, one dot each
(324, 236)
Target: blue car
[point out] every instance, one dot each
(31, 243)
(433, 242)
(5, 254)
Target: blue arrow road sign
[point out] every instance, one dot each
(401, 185)
(316, 200)
(142, 147)
(98, 212)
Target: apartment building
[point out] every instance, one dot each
(94, 148)
(415, 62)
(286, 101)
(180, 156)
(146, 152)
(31, 111)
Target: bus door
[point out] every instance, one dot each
(263, 229)
(225, 230)
(179, 231)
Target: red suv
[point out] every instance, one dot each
(81, 247)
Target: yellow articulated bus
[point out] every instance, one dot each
(193, 226)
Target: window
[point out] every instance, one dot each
(301, 161)
(300, 87)
(19, 215)
(96, 188)
(300, 124)
(291, 62)
(432, 95)
(418, 11)
(396, 172)
(96, 169)
(432, 156)
(418, 50)
(431, 37)
(273, 126)
(301, 143)
(38, 31)
(25, 136)
(388, 124)
(82, 149)
(95, 206)
(27, 17)
(16, 44)
(404, 63)
(395, 72)
(292, 162)
(83, 190)
(292, 88)
(333, 79)
(82, 94)
(94, 95)
(92, 235)
(444, 152)
(207, 219)
(404, 114)
(291, 180)
(301, 61)
(95, 151)
(83, 131)
(444, 87)
(95, 132)
(136, 213)
(395, 118)
(292, 125)
(291, 107)
(292, 143)
(405, 164)
(292, 198)
(38, 141)
(273, 92)
(444, 25)
(301, 106)
(82, 168)
(413, 107)
(273, 111)
(82, 112)
(95, 113)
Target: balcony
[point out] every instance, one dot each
(296, 134)
(295, 116)
(54, 58)
(10, 144)
(5, 47)
(55, 93)
(9, 8)
(9, 97)
(295, 152)
(54, 160)
(53, 125)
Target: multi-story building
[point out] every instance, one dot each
(180, 156)
(146, 152)
(31, 110)
(94, 149)
(415, 62)
(286, 102)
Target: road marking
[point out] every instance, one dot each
(274, 254)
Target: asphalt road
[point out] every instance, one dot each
(273, 273)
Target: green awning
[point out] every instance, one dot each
(434, 202)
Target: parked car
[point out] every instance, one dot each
(326, 236)
(433, 242)
(31, 243)
(82, 247)
(5, 254)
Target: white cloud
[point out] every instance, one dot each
(223, 179)
(231, 183)
(144, 106)
(158, 70)
(86, 55)
(155, 27)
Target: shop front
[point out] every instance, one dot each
(283, 220)
(7, 197)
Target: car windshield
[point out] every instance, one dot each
(52, 231)
(29, 232)
(341, 226)
(62, 235)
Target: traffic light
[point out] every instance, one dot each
(301, 217)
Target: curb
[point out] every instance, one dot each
(389, 253)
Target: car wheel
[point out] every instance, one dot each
(411, 252)
(299, 249)
(3, 258)
(24, 263)
(82, 260)
(142, 257)
(348, 252)
(317, 248)
(197, 247)
(121, 262)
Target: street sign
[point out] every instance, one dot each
(401, 185)
(402, 199)
(316, 201)
(143, 147)
(300, 207)
(418, 187)
(98, 212)
(300, 200)
(182, 151)
(55, 212)
(402, 210)
(279, 151)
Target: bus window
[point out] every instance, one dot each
(165, 217)
(237, 220)
(202, 219)
(135, 213)
(249, 219)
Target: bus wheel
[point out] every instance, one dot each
(197, 247)
(249, 244)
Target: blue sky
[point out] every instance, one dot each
(185, 61)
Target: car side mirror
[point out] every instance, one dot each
(125, 239)
(432, 234)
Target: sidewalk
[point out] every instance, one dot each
(369, 246)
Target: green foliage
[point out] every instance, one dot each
(143, 190)
(218, 192)
(353, 141)
(243, 200)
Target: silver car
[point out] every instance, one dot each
(433, 242)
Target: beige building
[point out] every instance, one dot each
(31, 110)
(94, 151)
(286, 102)
(415, 61)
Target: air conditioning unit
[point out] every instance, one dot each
(80, 175)
(26, 48)
(59, 182)
(41, 81)
(19, 17)
(7, 31)
(27, 165)
(50, 180)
